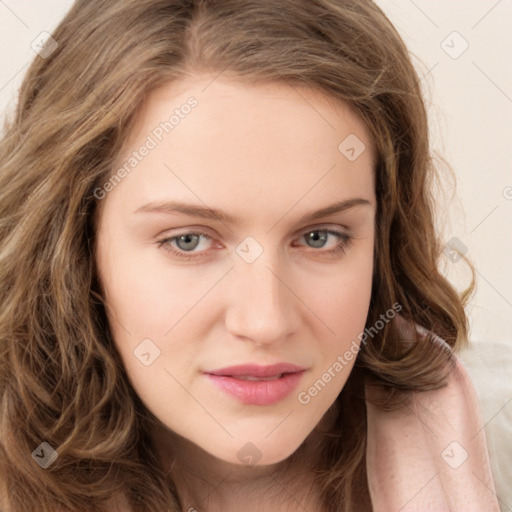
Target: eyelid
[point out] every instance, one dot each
(170, 232)
(324, 227)
(344, 236)
(203, 230)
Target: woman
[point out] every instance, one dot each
(301, 353)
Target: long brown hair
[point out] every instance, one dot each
(61, 379)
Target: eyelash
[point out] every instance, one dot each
(341, 246)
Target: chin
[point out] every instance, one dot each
(258, 452)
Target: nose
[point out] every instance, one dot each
(262, 306)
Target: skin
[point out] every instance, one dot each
(266, 154)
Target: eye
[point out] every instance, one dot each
(318, 238)
(184, 245)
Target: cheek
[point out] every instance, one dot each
(147, 296)
(150, 300)
(342, 306)
(346, 312)
(341, 296)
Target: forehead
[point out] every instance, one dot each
(252, 145)
(223, 104)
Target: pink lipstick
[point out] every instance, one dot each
(258, 385)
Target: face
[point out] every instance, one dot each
(219, 246)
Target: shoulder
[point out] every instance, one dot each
(439, 433)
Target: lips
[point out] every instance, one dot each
(253, 370)
(258, 385)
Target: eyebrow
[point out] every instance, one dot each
(193, 210)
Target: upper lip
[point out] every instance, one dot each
(254, 370)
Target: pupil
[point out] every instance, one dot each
(317, 239)
(187, 239)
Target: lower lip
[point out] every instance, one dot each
(258, 392)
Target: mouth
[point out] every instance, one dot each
(257, 385)
(251, 377)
